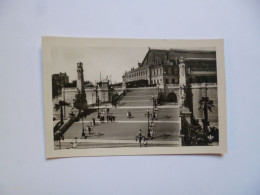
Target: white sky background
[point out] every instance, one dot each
(107, 60)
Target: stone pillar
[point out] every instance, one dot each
(80, 97)
(80, 78)
(185, 117)
(124, 85)
(182, 82)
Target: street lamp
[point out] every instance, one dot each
(148, 115)
(153, 105)
(98, 106)
(104, 96)
(83, 131)
(92, 99)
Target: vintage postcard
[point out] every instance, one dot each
(133, 97)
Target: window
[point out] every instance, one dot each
(166, 81)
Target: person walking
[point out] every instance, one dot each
(156, 116)
(139, 137)
(94, 122)
(151, 132)
(89, 130)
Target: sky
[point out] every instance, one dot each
(108, 61)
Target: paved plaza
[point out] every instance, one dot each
(123, 131)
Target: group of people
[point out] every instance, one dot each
(109, 117)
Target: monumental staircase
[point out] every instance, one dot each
(139, 97)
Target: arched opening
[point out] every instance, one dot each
(172, 97)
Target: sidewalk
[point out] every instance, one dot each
(107, 141)
(129, 107)
(128, 121)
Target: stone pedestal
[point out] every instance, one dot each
(185, 113)
(123, 85)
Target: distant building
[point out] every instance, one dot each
(58, 81)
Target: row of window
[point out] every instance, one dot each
(167, 81)
(203, 69)
(137, 74)
(167, 71)
(155, 72)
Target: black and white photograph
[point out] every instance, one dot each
(140, 97)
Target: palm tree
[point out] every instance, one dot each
(207, 104)
(60, 106)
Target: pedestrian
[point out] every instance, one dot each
(108, 117)
(127, 114)
(151, 133)
(140, 133)
(89, 130)
(139, 137)
(94, 122)
(113, 118)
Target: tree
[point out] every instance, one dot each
(206, 104)
(60, 106)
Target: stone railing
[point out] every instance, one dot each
(60, 131)
(70, 89)
(204, 85)
(172, 85)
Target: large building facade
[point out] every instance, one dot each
(172, 70)
(161, 67)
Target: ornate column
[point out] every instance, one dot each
(182, 82)
(80, 97)
(80, 78)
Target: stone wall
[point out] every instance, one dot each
(105, 96)
(199, 91)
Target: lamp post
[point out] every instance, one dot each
(63, 92)
(92, 99)
(148, 115)
(153, 105)
(83, 131)
(98, 106)
(104, 96)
